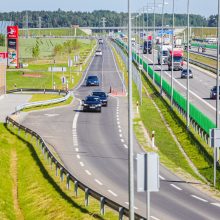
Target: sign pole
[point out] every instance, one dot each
(148, 205)
(214, 166)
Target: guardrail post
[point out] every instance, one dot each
(61, 174)
(51, 162)
(68, 181)
(102, 205)
(86, 196)
(76, 188)
(56, 168)
(121, 213)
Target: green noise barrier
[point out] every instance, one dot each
(195, 114)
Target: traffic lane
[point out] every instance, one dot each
(212, 52)
(199, 95)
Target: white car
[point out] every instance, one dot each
(98, 53)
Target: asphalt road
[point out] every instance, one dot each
(208, 52)
(94, 147)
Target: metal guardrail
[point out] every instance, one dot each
(61, 171)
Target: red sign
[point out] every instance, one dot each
(3, 55)
(150, 37)
(12, 32)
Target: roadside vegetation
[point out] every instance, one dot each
(29, 189)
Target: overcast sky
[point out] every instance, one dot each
(202, 7)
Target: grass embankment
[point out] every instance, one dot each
(195, 148)
(37, 75)
(29, 189)
(44, 97)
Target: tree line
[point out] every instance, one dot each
(60, 18)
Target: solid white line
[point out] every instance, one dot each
(122, 140)
(88, 172)
(99, 182)
(176, 187)
(161, 177)
(153, 217)
(114, 194)
(81, 164)
(125, 146)
(196, 197)
(78, 156)
(216, 204)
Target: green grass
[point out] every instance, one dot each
(41, 195)
(43, 97)
(53, 32)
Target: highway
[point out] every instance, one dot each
(212, 53)
(94, 147)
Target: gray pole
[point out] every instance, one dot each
(161, 64)
(154, 40)
(187, 109)
(130, 125)
(217, 78)
(171, 95)
(147, 37)
(143, 42)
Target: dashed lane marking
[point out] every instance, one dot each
(196, 197)
(216, 204)
(153, 217)
(114, 194)
(81, 164)
(119, 130)
(78, 156)
(77, 149)
(176, 187)
(99, 182)
(161, 177)
(125, 146)
(120, 135)
(122, 140)
(88, 172)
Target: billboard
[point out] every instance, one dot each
(12, 40)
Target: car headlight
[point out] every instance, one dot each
(85, 104)
(99, 105)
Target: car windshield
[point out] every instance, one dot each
(92, 99)
(185, 71)
(165, 53)
(93, 78)
(177, 59)
(101, 94)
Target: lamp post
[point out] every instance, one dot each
(130, 123)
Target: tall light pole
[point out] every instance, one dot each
(187, 107)
(173, 23)
(130, 123)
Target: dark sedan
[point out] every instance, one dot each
(92, 103)
(184, 73)
(92, 81)
(213, 92)
(102, 95)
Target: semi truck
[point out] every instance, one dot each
(147, 47)
(177, 54)
(162, 54)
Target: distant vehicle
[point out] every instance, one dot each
(92, 81)
(98, 52)
(211, 40)
(162, 54)
(101, 41)
(185, 46)
(177, 59)
(133, 42)
(185, 72)
(203, 49)
(92, 103)
(178, 43)
(147, 47)
(213, 92)
(102, 95)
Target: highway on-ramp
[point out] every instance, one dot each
(94, 147)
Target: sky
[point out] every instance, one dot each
(202, 7)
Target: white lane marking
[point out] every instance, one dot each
(114, 194)
(161, 177)
(216, 204)
(153, 217)
(122, 140)
(125, 146)
(128, 204)
(88, 172)
(118, 122)
(117, 119)
(99, 182)
(78, 156)
(51, 115)
(209, 105)
(196, 197)
(176, 187)
(81, 164)
(119, 130)
(77, 149)
(120, 135)
(119, 126)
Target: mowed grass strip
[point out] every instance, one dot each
(41, 195)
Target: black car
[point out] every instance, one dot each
(92, 81)
(185, 72)
(92, 103)
(102, 95)
(213, 92)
